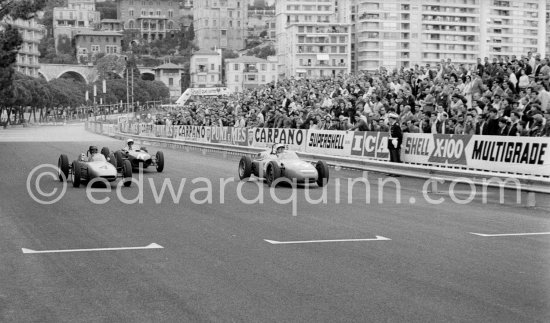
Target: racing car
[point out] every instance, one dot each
(84, 169)
(283, 164)
(140, 157)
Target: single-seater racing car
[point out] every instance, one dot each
(140, 157)
(281, 163)
(94, 165)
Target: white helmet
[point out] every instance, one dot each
(130, 141)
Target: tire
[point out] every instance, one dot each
(323, 173)
(105, 152)
(119, 158)
(63, 168)
(112, 160)
(127, 173)
(245, 167)
(160, 161)
(272, 173)
(76, 174)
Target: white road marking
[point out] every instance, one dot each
(378, 238)
(510, 234)
(151, 246)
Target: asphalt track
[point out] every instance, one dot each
(215, 264)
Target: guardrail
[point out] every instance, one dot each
(529, 183)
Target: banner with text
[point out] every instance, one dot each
(337, 143)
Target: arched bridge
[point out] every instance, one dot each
(81, 73)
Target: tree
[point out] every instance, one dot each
(11, 40)
(262, 52)
(109, 65)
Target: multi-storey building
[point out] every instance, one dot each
(152, 20)
(89, 44)
(395, 33)
(206, 68)
(513, 27)
(27, 56)
(257, 21)
(170, 74)
(78, 16)
(247, 72)
(311, 41)
(220, 23)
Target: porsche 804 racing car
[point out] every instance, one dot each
(273, 165)
(140, 157)
(87, 167)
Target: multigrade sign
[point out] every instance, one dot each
(510, 152)
(294, 139)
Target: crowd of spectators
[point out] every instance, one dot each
(508, 96)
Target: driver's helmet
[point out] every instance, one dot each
(278, 148)
(130, 142)
(93, 150)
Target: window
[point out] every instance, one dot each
(236, 67)
(263, 78)
(212, 67)
(95, 48)
(206, 22)
(263, 67)
(236, 78)
(131, 12)
(211, 78)
(171, 81)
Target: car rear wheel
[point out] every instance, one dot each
(127, 173)
(112, 160)
(322, 173)
(105, 152)
(119, 158)
(76, 174)
(245, 167)
(273, 172)
(63, 168)
(160, 161)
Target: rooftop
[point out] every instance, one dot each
(246, 59)
(205, 52)
(168, 66)
(98, 33)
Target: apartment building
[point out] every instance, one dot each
(151, 19)
(248, 72)
(395, 33)
(311, 41)
(206, 68)
(89, 44)
(78, 16)
(513, 27)
(170, 75)
(27, 56)
(220, 23)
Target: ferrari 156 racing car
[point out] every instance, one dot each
(281, 163)
(140, 157)
(93, 165)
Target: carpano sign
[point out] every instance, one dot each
(294, 139)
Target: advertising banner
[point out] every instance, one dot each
(293, 139)
(370, 144)
(527, 155)
(229, 136)
(337, 143)
(193, 133)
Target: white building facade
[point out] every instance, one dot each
(170, 75)
(78, 16)
(220, 23)
(206, 68)
(248, 72)
(395, 33)
(311, 42)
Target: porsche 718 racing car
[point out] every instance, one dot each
(283, 164)
(94, 165)
(140, 157)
